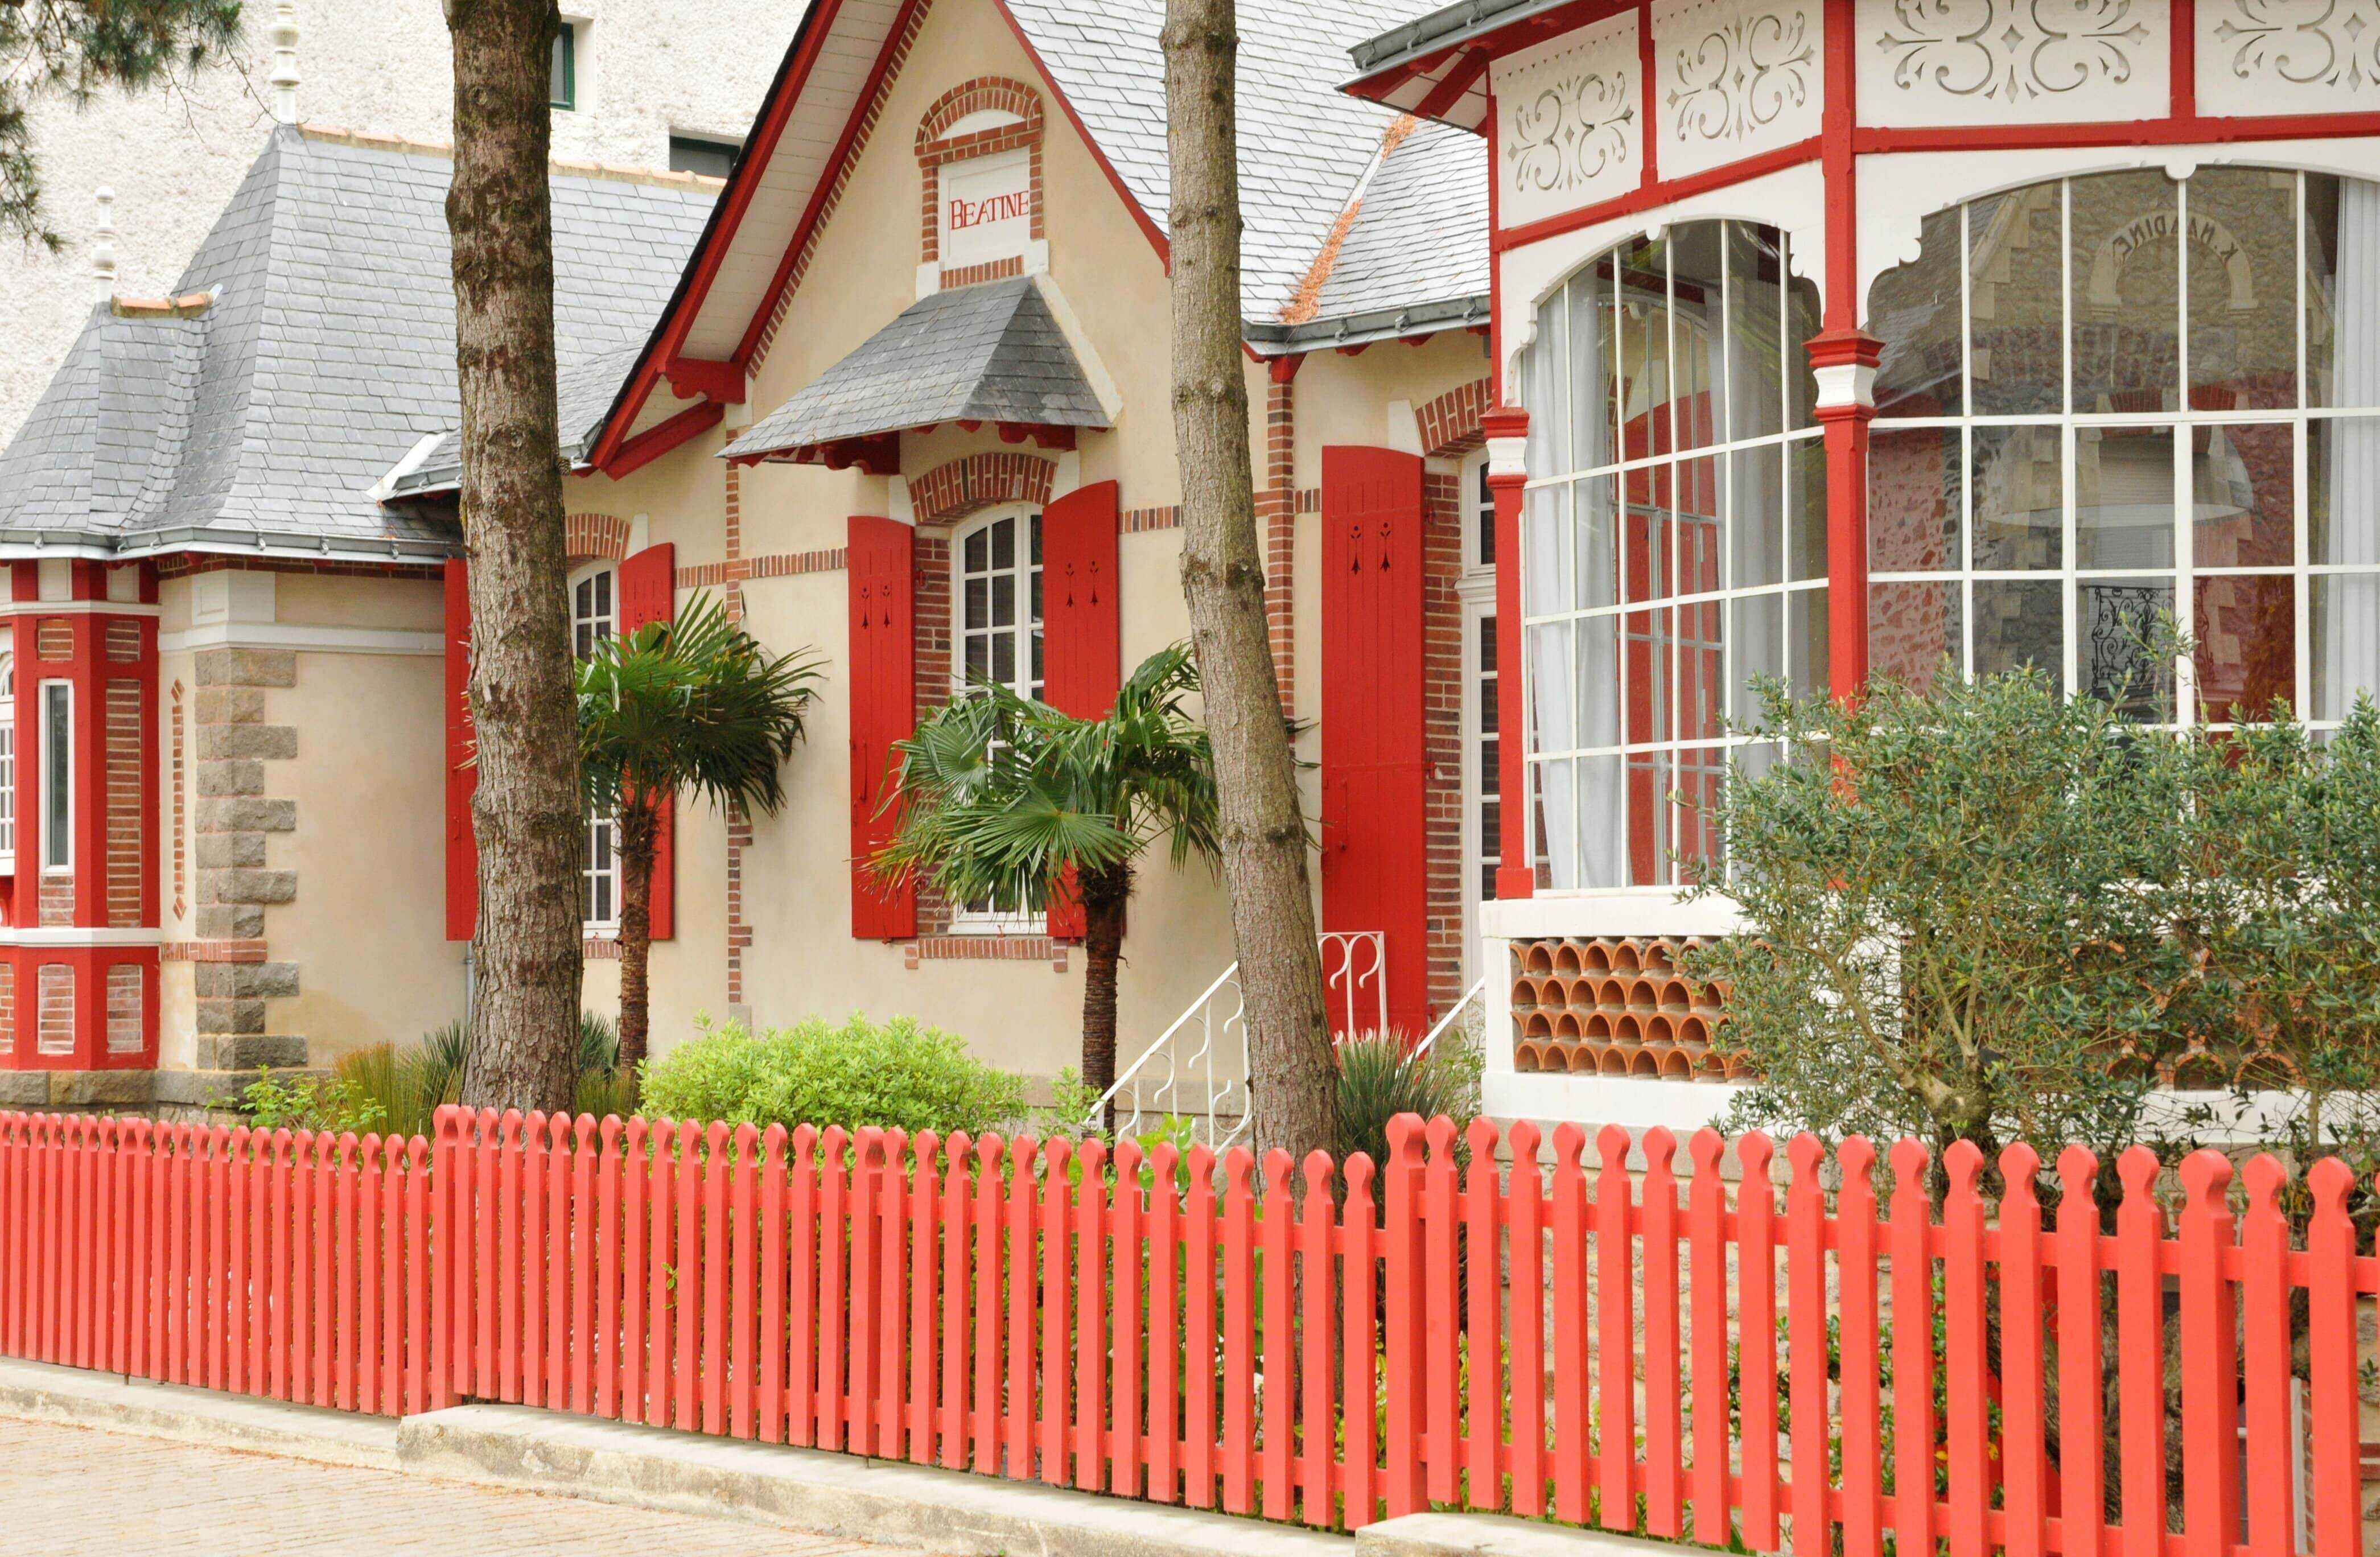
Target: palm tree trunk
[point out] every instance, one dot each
(638, 830)
(1261, 822)
(1105, 895)
(524, 1041)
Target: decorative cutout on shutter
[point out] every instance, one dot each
(1082, 645)
(462, 849)
(880, 572)
(649, 593)
(1374, 771)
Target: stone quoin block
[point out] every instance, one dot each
(104, 1088)
(245, 981)
(261, 742)
(231, 705)
(247, 667)
(248, 886)
(218, 850)
(231, 1016)
(249, 1052)
(218, 779)
(230, 922)
(247, 815)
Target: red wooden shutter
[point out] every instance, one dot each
(1375, 865)
(462, 849)
(879, 570)
(1082, 647)
(649, 593)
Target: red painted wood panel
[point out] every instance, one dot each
(649, 593)
(462, 849)
(1373, 772)
(883, 655)
(1081, 646)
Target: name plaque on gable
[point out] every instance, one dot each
(985, 214)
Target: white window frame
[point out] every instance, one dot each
(7, 765)
(57, 836)
(1025, 569)
(2071, 425)
(603, 624)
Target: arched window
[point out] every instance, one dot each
(2111, 398)
(594, 617)
(996, 617)
(1673, 541)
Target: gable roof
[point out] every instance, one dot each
(987, 353)
(326, 355)
(1305, 149)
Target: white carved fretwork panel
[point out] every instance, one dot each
(1568, 126)
(1732, 79)
(2288, 56)
(1997, 62)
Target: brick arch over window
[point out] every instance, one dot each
(1449, 424)
(959, 487)
(982, 94)
(594, 537)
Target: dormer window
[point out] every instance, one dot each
(979, 152)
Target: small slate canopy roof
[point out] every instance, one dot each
(991, 352)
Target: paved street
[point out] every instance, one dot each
(70, 1491)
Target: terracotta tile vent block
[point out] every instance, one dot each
(1617, 1007)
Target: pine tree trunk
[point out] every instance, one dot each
(1262, 823)
(525, 1019)
(639, 831)
(1105, 895)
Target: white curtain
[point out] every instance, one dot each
(2350, 637)
(1548, 586)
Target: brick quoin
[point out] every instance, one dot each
(957, 488)
(598, 536)
(1441, 636)
(1449, 424)
(1277, 513)
(930, 613)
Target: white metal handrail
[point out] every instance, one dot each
(1453, 1015)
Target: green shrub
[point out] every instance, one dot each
(893, 1075)
(1379, 1077)
(308, 1102)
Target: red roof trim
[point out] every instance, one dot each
(661, 437)
(694, 287)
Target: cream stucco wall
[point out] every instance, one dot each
(648, 67)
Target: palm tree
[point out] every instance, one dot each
(1006, 798)
(693, 705)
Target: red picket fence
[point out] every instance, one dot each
(1637, 1350)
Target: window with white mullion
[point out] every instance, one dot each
(996, 617)
(7, 763)
(594, 619)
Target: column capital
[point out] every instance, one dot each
(1843, 361)
(1506, 430)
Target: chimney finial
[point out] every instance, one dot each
(284, 63)
(102, 245)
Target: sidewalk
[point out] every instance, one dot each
(72, 1491)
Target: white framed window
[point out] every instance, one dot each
(2109, 398)
(1673, 544)
(57, 777)
(594, 617)
(996, 623)
(7, 765)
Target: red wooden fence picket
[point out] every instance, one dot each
(1588, 1329)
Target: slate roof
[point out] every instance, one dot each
(991, 352)
(1416, 252)
(325, 357)
(584, 392)
(1303, 145)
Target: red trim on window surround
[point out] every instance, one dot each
(658, 440)
(1651, 195)
(736, 200)
(1147, 224)
(1649, 95)
(2182, 19)
(830, 177)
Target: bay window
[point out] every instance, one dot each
(1673, 539)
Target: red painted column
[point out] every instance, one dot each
(1507, 431)
(1844, 361)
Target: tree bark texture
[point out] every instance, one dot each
(640, 832)
(525, 1017)
(1105, 894)
(1292, 1074)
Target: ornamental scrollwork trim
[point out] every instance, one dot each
(2012, 51)
(1570, 131)
(2321, 43)
(1741, 76)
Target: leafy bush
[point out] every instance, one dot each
(309, 1102)
(897, 1074)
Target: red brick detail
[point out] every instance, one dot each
(179, 756)
(594, 537)
(8, 1008)
(930, 612)
(54, 640)
(121, 796)
(58, 900)
(121, 640)
(996, 270)
(126, 995)
(1449, 424)
(739, 838)
(213, 951)
(1445, 876)
(896, 55)
(959, 487)
(790, 565)
(1277, 513)
(981, 93)
(1140, 521)
(189, 566)
(53, 987)
(986, 948)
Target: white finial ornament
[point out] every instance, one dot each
(283, 33)
(102, 245)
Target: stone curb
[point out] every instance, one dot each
(844, 1495)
